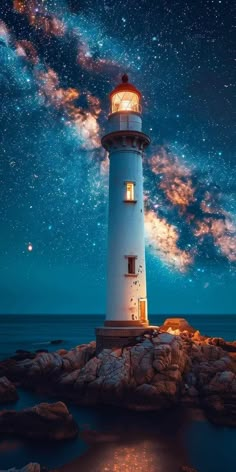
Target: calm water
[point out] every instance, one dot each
(129, 441)
(36, 332)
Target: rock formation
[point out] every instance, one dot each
(52, 421)
(32, 467)
(8, 392)
(176, 365)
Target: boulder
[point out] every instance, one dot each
(8, 392)
(141, 359)
(22, 355)
(219, 398)
(46, 421)
(46, 367)
(226, 345)
(177, 324)
(162, 357)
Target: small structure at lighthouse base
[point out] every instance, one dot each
(118, 337)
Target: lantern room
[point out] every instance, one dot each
(125, 97)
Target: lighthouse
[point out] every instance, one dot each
(125, 142)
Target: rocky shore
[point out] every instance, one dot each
(173, 365)
(43, 421)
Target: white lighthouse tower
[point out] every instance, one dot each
(125, 142)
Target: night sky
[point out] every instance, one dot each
(58, 62)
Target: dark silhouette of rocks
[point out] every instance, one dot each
(173, 365)
(8, 392)
(32, 467)
(21, 355)
(47, 421)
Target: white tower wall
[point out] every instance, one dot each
(125, 142)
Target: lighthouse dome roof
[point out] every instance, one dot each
(125, 86)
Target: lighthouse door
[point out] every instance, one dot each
(143, 310)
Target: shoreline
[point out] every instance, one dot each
(165, 366)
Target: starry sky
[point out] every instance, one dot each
(58, 62)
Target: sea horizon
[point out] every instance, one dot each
(103, 314)
(32, 332)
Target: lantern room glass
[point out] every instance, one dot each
(125, 101)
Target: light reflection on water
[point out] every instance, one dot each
(145, 456)
(134, 442)
(118, 440)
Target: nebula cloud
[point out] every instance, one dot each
(4, 32)
(84, 121)
(185, 217)
(86, 60)
(163, 238)
(39, 18)
(195, 224)
(26, 49)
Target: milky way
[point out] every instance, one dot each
(58, 62)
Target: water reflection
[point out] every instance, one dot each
(146, 456)
(152, 444)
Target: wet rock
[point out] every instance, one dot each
(46, 367)
(21, 355)
(226, 345)
(141, 359)
(220, 398)
(46, 421)
(62, 352)
(7, 367)
(8, 392)
(162, 357)
(114, 370)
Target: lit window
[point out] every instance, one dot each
(125, 101)
(129, 195)
(131, 264)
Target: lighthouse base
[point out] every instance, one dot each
(117, 337)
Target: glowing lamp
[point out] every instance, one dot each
(125, 97)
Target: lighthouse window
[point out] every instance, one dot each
(125, 101)
(131, 264)
(129, 191)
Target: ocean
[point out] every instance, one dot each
(129, 441)
(37, 331)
